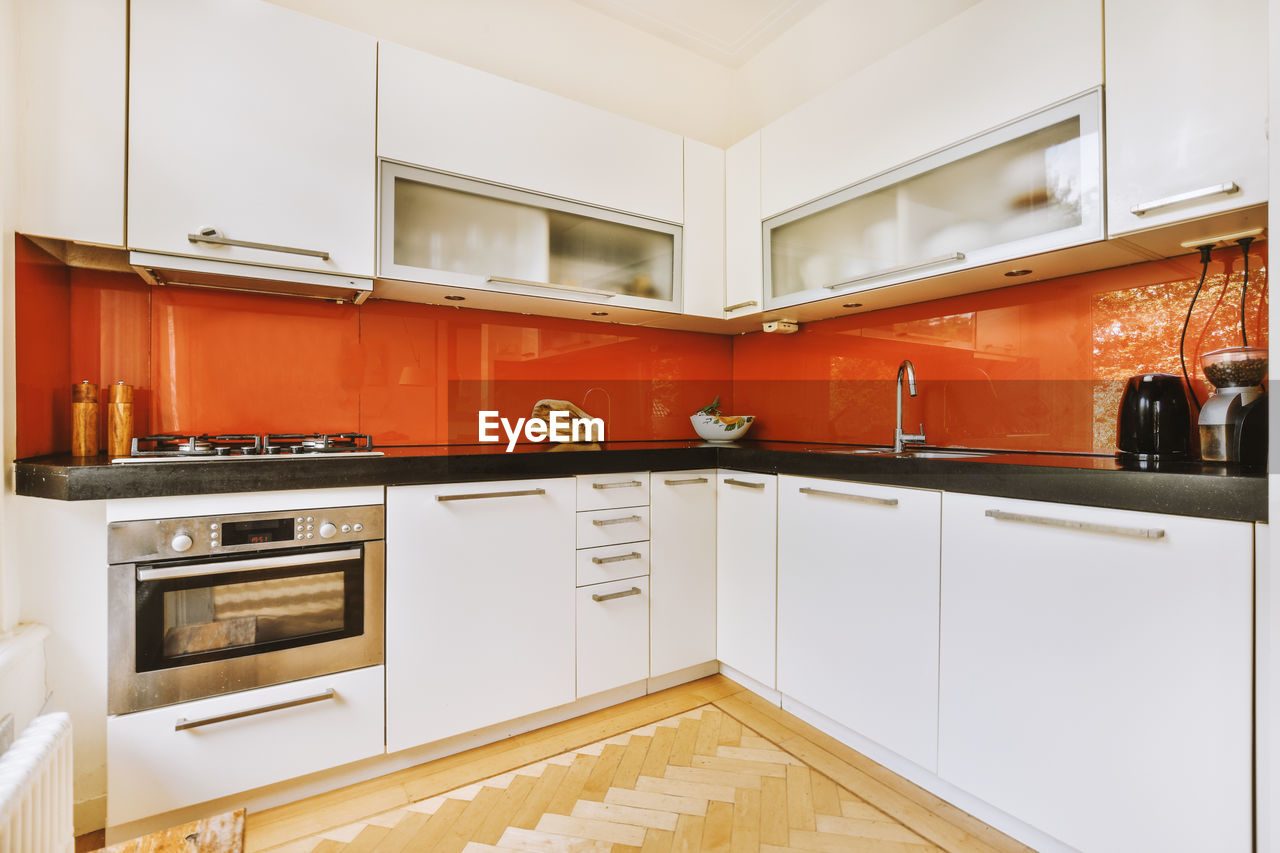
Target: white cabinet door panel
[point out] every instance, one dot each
(613, 635)
(613, 526)
(255, 120)
(744, 243)
(605, 491)
(442, 115)
(480, 606)
(746, 573)
(703, 251)
(1094, 684)
(858, 591)
(1185, 126)
(682, 570)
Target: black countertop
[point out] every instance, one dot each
(1185, 488)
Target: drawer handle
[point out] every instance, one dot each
(746, 304)
(733, 482)
(1068, 524)
(213, 235)
(630, 484)
(862, 499)
(478, 495)
(184, 724)
(605, 522)
(942, 259)
(1217, 189)
(595, 596)
(689, 482)
(600, 561)
(607, 294)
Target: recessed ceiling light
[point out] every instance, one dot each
(1017, 273)
(456, 298)
(852, 305)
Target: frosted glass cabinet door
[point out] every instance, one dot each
(444, 229)
(1027, 187)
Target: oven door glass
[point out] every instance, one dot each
(196, 611)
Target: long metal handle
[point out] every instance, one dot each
(864, 499)
(635, 590)
(605, 522)
(733, 482)
(249, 565)
(475, 496)
(1068, 524)
(211, 235)
(600, 561)
(182, 724)
(1204, 192)
(500, 279)
(630, 484)
(746, 304)
(954, 256)
(688, 482)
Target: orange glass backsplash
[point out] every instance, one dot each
(1036, 366)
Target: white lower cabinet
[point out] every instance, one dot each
(858, 594)
(159, 761)
(1096, 672)
(746, 573)
(682, 573)
(480, 606)
(613, 634)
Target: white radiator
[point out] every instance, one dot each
(35, 789)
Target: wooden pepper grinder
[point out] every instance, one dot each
(120, 420)
(84, 419)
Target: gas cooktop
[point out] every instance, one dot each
(232, 447)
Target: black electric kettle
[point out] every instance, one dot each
(1155, 417)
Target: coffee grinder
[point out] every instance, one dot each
(1233, 422)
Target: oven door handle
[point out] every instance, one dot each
(249, 565)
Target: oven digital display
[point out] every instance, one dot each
(257, 532)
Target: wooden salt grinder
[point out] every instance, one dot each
(120, 420)
(84, 419)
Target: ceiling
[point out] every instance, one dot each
(714, 70)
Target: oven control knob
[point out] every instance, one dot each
(327, 530)
(181, 542)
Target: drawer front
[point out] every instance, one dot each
(156, 768)
(613, 562)
(605, 491)
(613, 526)
(613, 635)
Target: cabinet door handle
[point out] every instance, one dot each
(689, 482)
(1204, 192)
(499, 279)
(1069, 524)
(600, 561)
(733, 482)
(954, 256)
(605, 522)
(478, 495)
(862, 499)
(595, 596)
(630, 484)
(213, 235)
(746, 304)
(183, 724)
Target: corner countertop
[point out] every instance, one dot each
(1211, 490)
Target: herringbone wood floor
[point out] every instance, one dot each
(701, 779)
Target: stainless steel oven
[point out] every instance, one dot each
(215, 604)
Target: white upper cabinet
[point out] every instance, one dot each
(995, 61)
(1030, 186)
(744, 281)
(1186, 124)
(255, 121)
(71, 72)
(704, 255)
(445, 116)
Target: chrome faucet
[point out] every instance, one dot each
(901, 439)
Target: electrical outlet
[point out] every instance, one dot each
(781, 327)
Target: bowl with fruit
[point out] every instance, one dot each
(713, 425)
